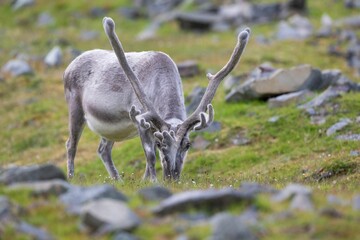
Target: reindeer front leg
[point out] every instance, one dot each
(148, 143)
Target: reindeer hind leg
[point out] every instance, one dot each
(76, 126)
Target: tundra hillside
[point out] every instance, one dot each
(252, 142)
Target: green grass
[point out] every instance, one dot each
(33, 119)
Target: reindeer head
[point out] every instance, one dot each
(172, 139)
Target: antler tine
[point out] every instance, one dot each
(150, 115)
(214, 81)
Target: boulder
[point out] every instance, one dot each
(54, 57)
(155, 193)
(78, 196)
(31, 174)
(212, 198)
(326, 26)
(278, 82)
(107, 215)
(17, 67)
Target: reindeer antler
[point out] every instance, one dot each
(150, 116)
(199, 118)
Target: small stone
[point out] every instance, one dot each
(338, 126)
(274, 119)
(188, 68)
(240, 140)
(199, 143)
(45, 19)
(17, 68)
(156, 193)
(78, 196)
(194, 98)
(356, 202)
(108, 215)
(302, 202)
(54, 57)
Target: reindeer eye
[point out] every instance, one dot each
(187, 146)
(158, 144)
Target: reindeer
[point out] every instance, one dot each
(141, 96)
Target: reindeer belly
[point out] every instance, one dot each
(114, 131)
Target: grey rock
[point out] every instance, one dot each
(199, 143)
(89, 35)
(54, 57)
(338, 126)
(154, 8)
(349, 137)
(314, 81)
(31, 174)
(330, 77)
(45, 19)
(356, 202)
(18, 4)
(155, 193)
(188, 68)
(326, 26)
(78, 196)
(253, 188)
(289, 98)
(290, 191)
(43, 188)
(318, 120)
(349, 22)
(17, 68)
(108, 215)
(200, 198)
(32, 231)
(124, 236)
(302, 202)
(194, 98)
(226, 226)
